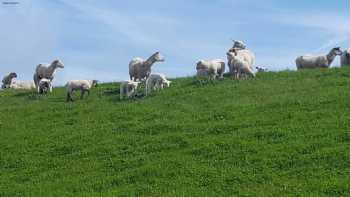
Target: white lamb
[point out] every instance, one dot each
(211, 68)
(240, 65)
(44, 86)
(79, 85)
(155, 82)
(22, 85)
(128, 89)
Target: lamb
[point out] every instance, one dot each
(128, 89)
(44, 86)
(6, 81)
(140, 69)
(46, 71)
(322, 61)
(82, 85)
(240, 65)
(245, 54)
(156, 81)
(22, 85)
(345, 58)
(211, 68)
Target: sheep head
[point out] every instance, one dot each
(158, 57)
(58, 64)
(167, 83)
(13, 75)
(337, 51)
(94, 83)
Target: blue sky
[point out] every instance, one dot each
(96, 39)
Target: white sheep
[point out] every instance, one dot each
(345, 58)
(79, 85)
(22, 85)
(240, 65)
(320, 61)
(46, 71)
(44, 86)
(6, 81)
(211, 68)
(245, 54)
(140, 69)
(128, 89)
(156, 81)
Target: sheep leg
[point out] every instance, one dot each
(69, 97)
(82, 94)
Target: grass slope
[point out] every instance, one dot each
(281, 134)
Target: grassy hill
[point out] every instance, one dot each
(281, 134)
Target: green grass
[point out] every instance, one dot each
(281, 134)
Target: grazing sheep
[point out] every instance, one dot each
(240, 65)
(156, 81)
(44, 86)
(82, 85)
(322, 61)
(6, 81)
(22, 85)
(128, 89)
(345, 58)
(211, 68)
(140, 69)
(46, 71)
(261, 69)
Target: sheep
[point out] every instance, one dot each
(211, 68)
(44, 86)
(156, 81)
(6, 81)
(345, 58)
(322, 61)
(22, 85)
(82, 85)
(46, 71)
(261, 69)
(246, 55)
(140, 69)
(128, 89)
(240, 65)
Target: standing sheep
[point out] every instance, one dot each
(6, 81)
(321, 61)
(245, 54)
(140, 69)
(240, 65)
(156, 82)
(46, 71)
(211, 68)
(128, 89)
(345, 58)
(82, 85)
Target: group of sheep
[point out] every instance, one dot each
(240, 61)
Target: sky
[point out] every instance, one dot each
(96, 39)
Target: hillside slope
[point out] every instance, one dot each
(281, 134)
